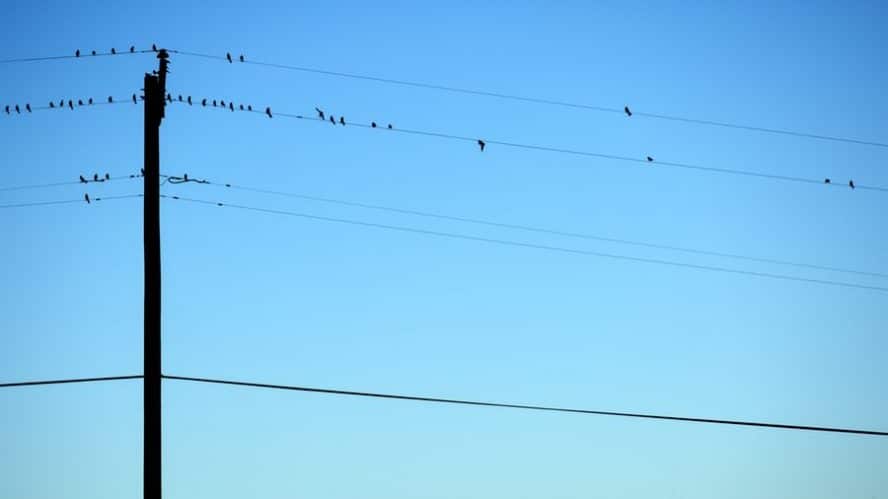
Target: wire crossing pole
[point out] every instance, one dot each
(155, 90)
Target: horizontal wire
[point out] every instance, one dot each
(541, 408)
(574, 152)
(69, 201)
(541, 230)
(70, 104)
(551, 102)
(505, 242)
(72, 182)
(84, 55)
(71, 380)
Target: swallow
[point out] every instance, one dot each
(242, 58)
(228, 56)
(214, 103)
(185, 177)
(320, 113)
(7, 109)
(134, 98)
(268, 111)
(28, 107)
(142, 171)
(95, 177)
(627, 111)
(650, 159)
(77, 53)
(241, 107)
(482, 144)
(86, 197)
(110, 100)
(82, 180)
(180, 97)
(113, 52)
(342, 120)
(62, 103)
(132, 48)
(169, 98)
(373, 124)
(826, 181)
(851, 184)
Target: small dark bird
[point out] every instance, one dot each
(110, 100)
(241, 107)
(17, 110)
(203, 102)
(113, 52)
(77, 53)
(95, 177)
(249, 107)
(231, 106)
(342, 120)
(242, 58)
(185, 177)
(332, 119)
(142, 171)
(851, 184)
(214, 103)
(373, 124)
(169, 98)
(28, 107)
(107, 177)
(222, 103)
(90, 101)
(189, 100)
(79, 102)
(481, 144)
(62, 103)
(93, 52)
(132, 48)
(627, 111)
(268, 111)
(134, 98)
(86, 197)
(82, 180)
(228, 56)
(180, 97)
(826, 181)
(51, 104)
(7, 109)
(650, 159)
(390, 126)
(320, 113)
(71, 103)
(154, 47)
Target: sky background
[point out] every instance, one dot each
(266, 298)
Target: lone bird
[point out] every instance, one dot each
(110, 100)
(826, 181)
(228, 56)
(268, 111)
(82, 180)
(77, 53)
(851, 184)
(482, 144)
(28, 107)
(242, 58)
(132, 48)
(86, 197)
(113, 52)
(134, 98)
(372, 124)
(332, 119)
(320, 113)
(627, 111)
(650, 159)
(342, 120)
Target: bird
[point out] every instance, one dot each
(373, 124)
(17, 110)
(851, 184)
(79, 102)
(77, 53)
(95, 177)
(86, 197)
(389, 126)
(90, 101)
(189, 100)
(169, 98)
(113, 52)
(107, 177)
(51, 104)
(826, 181)
(134, 98)
(7, 109)
(154, 47)
(342, 120)
(142, 171)
(93, 52)
(132, 48)
(228, 56)
(320, 113)
(222, 103)
(214, 102)
(627, 111)
(62, 103)
(650, 159)
(203, 102)
(110, 100)
(231, 106)
(71, 103)
(82, 180)
(180, 97)
(28, 107)
(242, 58)
(185, 177)
(241, 107)
(268, 111)
(249, 107)
(481, 144)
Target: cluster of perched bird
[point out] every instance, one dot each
(132, 50)
(216, 103)
(829, 181)
(323, 116)
(95, 178)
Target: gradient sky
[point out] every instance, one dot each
(277, 299)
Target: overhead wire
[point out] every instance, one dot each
(83, 55)
(68, 381)
(64, 183)
(69, 201)
(544, 247)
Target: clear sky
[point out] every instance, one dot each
(260, 297)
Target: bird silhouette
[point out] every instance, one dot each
(142, 171)
(332, 119)
(82, 180)
(482, 144)
(389, 126)
(185, 176)
(826, 181)
(320, 113)
(342, 120)
(7, 109)
(95, 177)
(62, 103)
(231, 106)
(134, 98)
(249, 107)
(90, 101)
(132, 48)
(189, 100)
(28, 107)
(214, 103)
(241, 107)
(51, 104)
(79, 102)
(113, 52)
(86, 197)
(242, 58)
(851, 184)
(203, 102)
(93, 52)
(169, 98)
(77, 53)
(107, 177)
(154, 47)
(70, 103)
(268, 111)
(650, 159)
(627, 111)
(373, 124)
(180, 97)
(17, 110)
(228, 56)
(110, 100)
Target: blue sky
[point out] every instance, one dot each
(277, 299)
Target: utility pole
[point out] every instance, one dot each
(155, 90)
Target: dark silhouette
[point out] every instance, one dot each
(189, 100)
(17, 110)
(62, 103)
(203, 102)
(320, 113)
(113, 52)
(214, 102)
(373, 124)
(222, 103)
(482, 144)
(249, 107)
(241, 107)
(79, 102)
(231, 106)
(7, 109)
(95, 177)
(86, 197)
(154, 47)
(82, 180)
(228, 56)
(627, 111)
(51, 104)
(169, 98)
(180, 97)
(826, 181)
(242, 58)
(650, 159)
(268, 111)
(28, 107)
(132, 48)
(107, 177)
(390, 126)
(70, 103)
(342, 120)
(142, 171)
(332, 119)
(77, 53)
(134, 98)
(90, 101)
(851, 184)
(110, 100)
(93, 52)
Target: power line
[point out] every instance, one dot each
(83, 55)
(71, 182)
(541, 230)
(505, 242)
(12, 110)
(66, 381)
(551, 102)
(69, 201)
(651, 163)
(435, 400)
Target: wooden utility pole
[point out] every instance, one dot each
(155, 90)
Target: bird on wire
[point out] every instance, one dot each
(627, 111)
(482, 144)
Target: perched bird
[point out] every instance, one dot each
(142, 171)
(169, 98)
(90, 101)
(242, 58)
(82, 180)
(7, 109)
(95, 177)
(134, 98)
(107, 177)
(110, 100)
(342, 120)
(851, 184)
(189, 100)
(51, 104)
(79, 102)
(481, 144)
(650, 159)
(222, 103)
(320, 113)
(268, 111)
(17, 110)
(154, 47)
(373, 124)
(241, 107)
(70, 103)
(62, 103)
(180, 97)
(113, 52)
(28, 107)
(214, 102)
(77, 53)
(627, 111)
(132, 48)
(826, 181)
(185, 177)
(249, 107)
(228, 56)
(86, 197)
(203, 102)
(93, 52)
(390, 126)
(231, 106)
